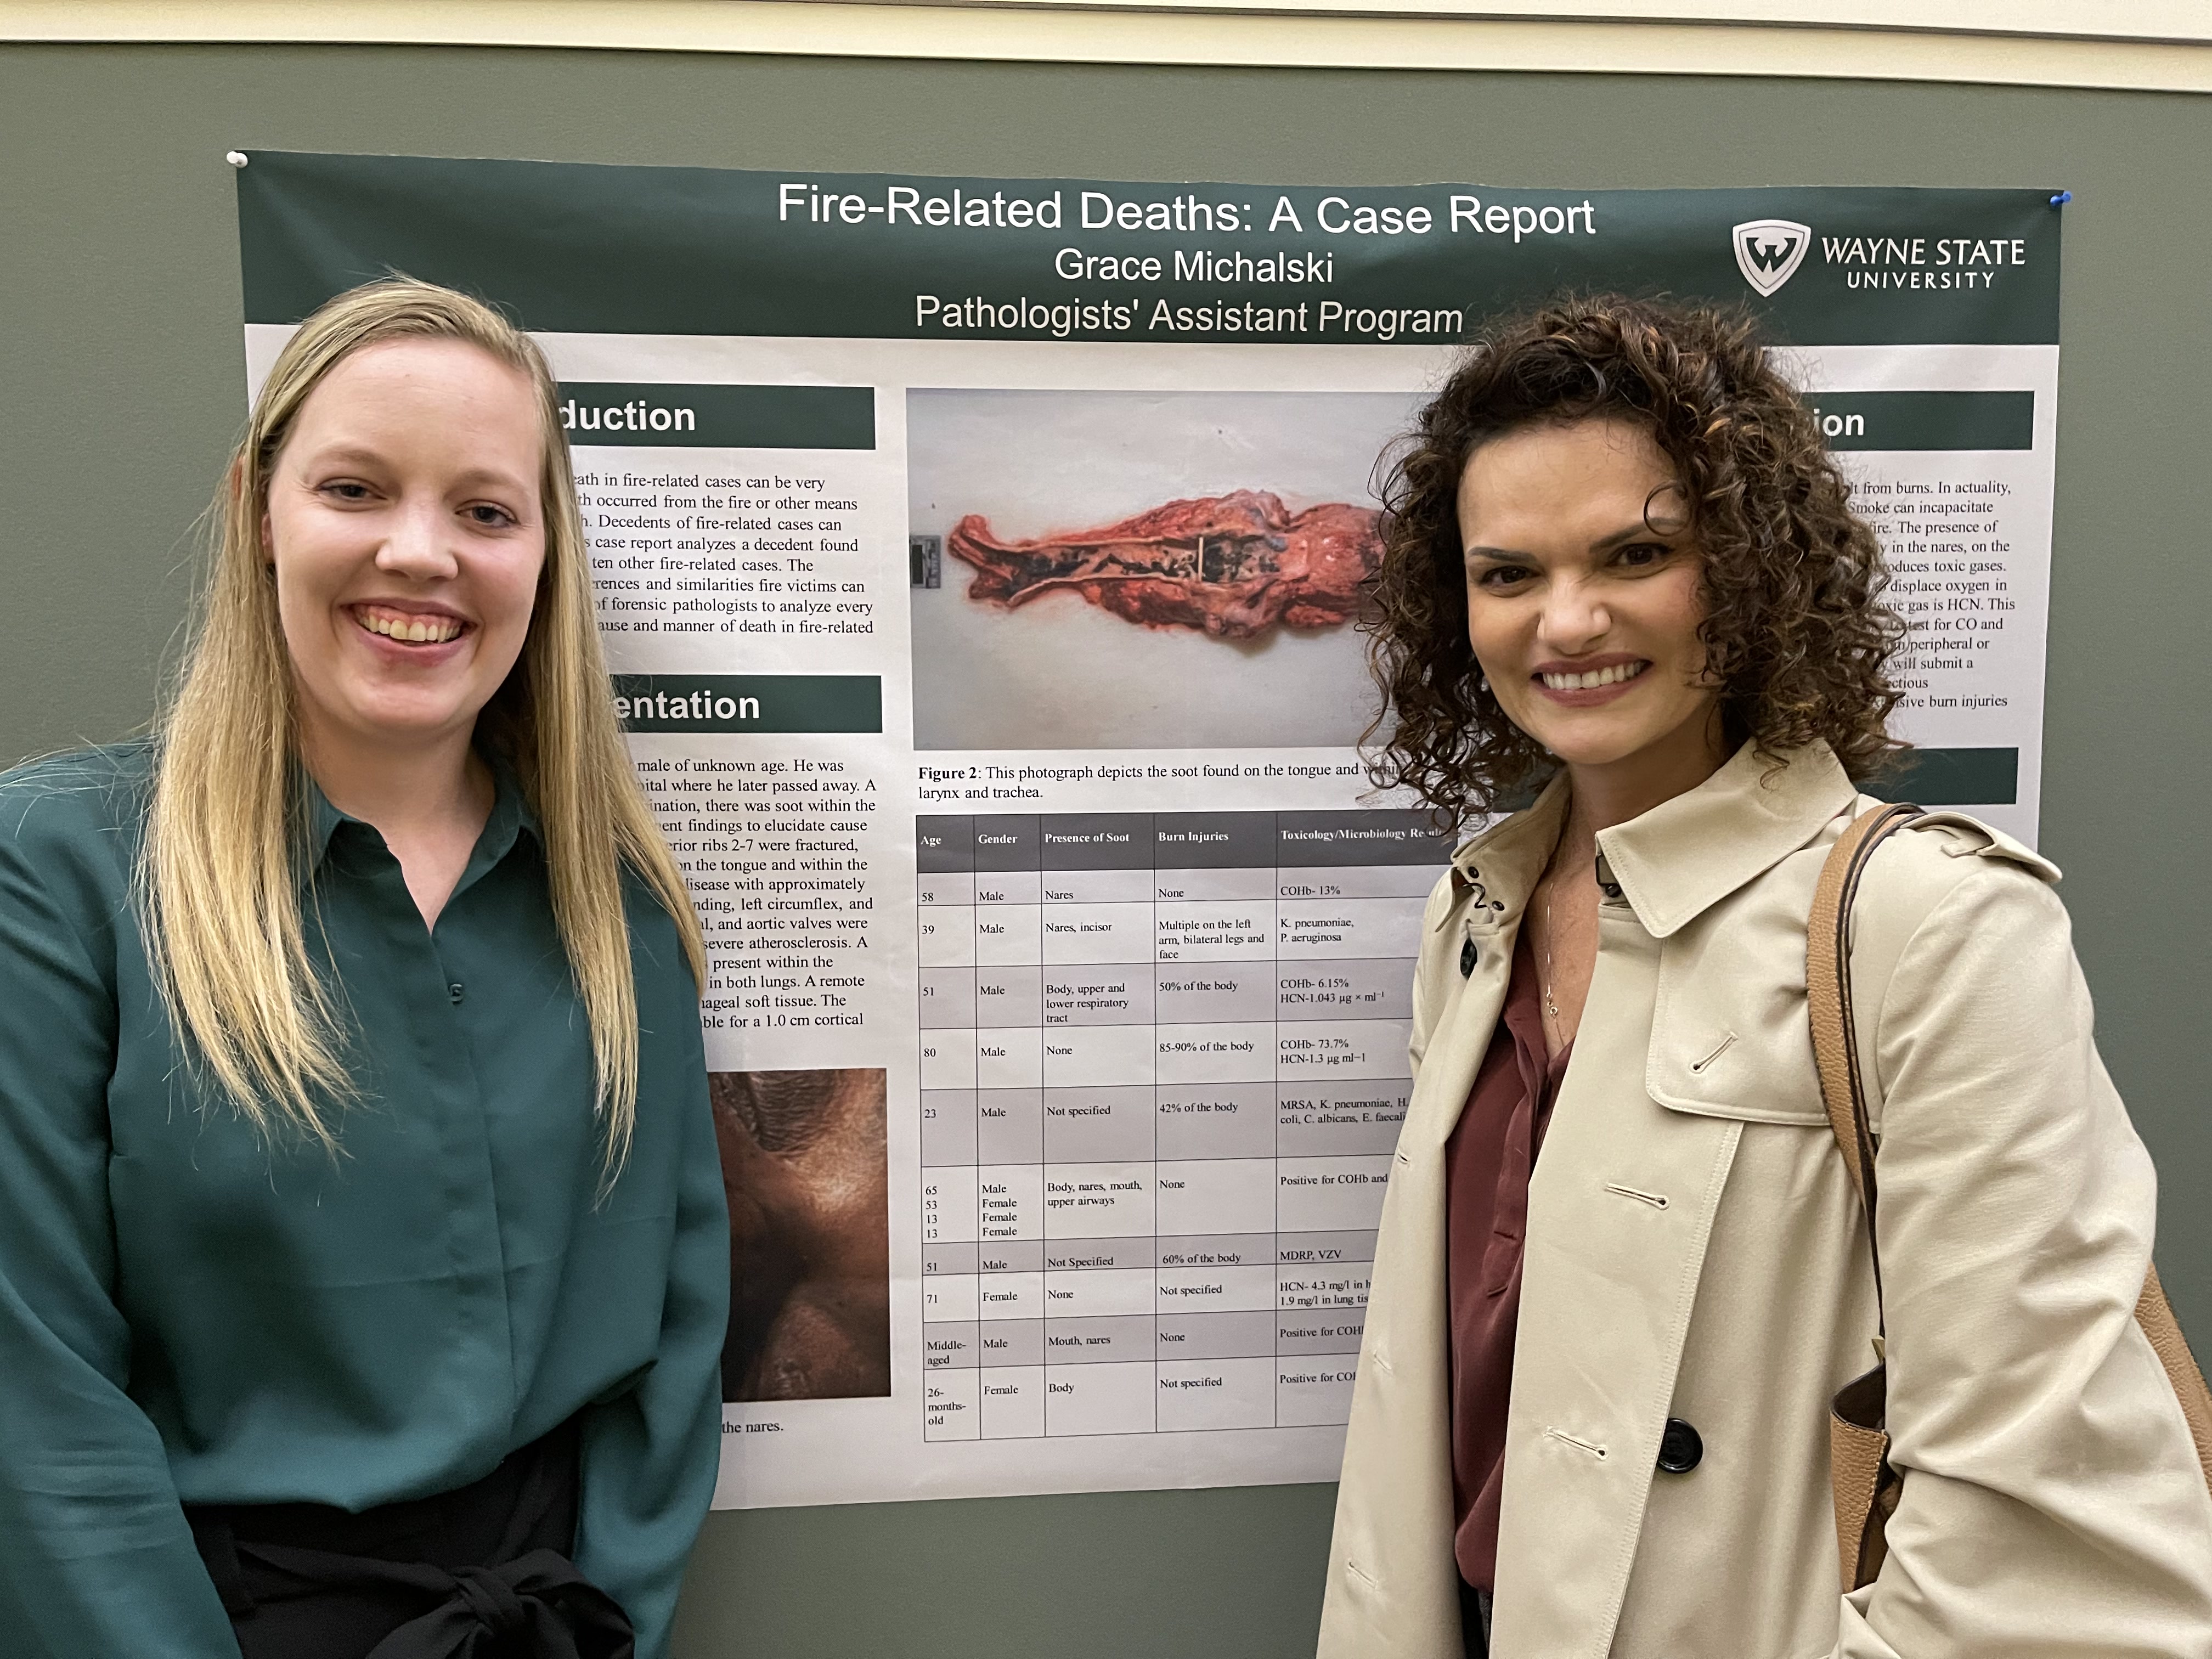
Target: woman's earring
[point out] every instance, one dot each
(1486, 683)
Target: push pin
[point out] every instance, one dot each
(2062, 199)
(236, 157)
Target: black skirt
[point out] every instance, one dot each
(481, 1572)
(1474, 1621)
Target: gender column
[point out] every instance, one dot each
(946, 891)
(1009, 1129)
(1349, 888)
(1214, 901)
(1099, 1250)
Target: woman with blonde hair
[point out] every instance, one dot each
(1623, 1267)
(363, 1254)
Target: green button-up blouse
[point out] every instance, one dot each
(187, 1317)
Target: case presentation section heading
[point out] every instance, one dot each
(576, 247)
(749, 703)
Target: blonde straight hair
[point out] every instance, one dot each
(223, 868)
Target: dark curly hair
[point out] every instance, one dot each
(1795, 633)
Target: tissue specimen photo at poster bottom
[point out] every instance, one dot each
(803, 1164)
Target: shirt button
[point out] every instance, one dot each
(1681, 1448)
(454, 991)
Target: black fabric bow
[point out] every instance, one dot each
(538, 1606)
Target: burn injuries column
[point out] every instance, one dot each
(1215, 1103)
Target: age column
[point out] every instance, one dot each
(944, 859)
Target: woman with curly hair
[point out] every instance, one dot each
(1622, 1266)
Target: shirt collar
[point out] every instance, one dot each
(1682, 857)
(323, 819)
(511, 815)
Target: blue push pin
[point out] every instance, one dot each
(2062, 199)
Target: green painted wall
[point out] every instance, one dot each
(122, 385)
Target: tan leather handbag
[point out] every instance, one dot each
(1865, 1485)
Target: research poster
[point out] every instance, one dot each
(978, 565)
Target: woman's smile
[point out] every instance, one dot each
(408, 627)
(1588, 685)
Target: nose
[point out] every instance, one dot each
(1575, 619)
(420, 544)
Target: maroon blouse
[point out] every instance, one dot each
(1487, 1163)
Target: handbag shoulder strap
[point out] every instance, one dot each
(1843, 1090)
(1828, 997)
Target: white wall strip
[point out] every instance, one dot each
(2149, 44)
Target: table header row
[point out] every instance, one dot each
(1175, 841)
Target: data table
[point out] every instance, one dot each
(1163, 1068)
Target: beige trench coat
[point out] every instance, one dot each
(1694, 1250)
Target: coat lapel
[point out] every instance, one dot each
(1621, 1209)
(1392, 1589)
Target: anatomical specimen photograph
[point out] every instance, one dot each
(1143, 569)
(804, 1167)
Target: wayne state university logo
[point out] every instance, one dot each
(1769, 251)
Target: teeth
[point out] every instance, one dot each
(414, 630)
(1595, 678)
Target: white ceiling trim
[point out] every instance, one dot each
(2181, 21)
(2149, 44)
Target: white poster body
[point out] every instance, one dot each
(1080, 959)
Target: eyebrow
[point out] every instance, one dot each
(343, 454)
(1604, 543)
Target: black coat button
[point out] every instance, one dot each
(1467, 957)
(1680, 1447)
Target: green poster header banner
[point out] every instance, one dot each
(631, 250)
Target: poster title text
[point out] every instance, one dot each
(1453, 213)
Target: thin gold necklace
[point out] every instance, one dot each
(1551, 1006)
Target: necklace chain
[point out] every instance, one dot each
(1555, 1021)
(1550, 1005)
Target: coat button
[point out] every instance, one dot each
(455, 991)
(1467, 957)
(1680, 1447)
